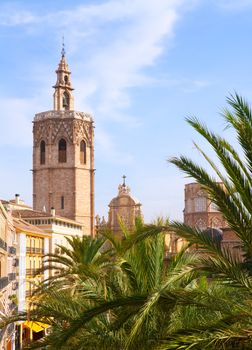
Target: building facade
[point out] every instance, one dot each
(63, 156)
(8, 282)
(33, 243)
(57, 228)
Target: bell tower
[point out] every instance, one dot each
(63, 156)
(63, 98)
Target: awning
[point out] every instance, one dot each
(36, 326)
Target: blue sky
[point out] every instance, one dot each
(140, 67)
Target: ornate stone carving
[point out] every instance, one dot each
(201, 224)
(74, 130)
(201, 193)
(216, 223)
(41, 131)
(82, 130)
(122, 189)
(61, 128)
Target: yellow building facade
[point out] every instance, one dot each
(33, 243)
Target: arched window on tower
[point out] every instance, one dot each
(65, 100)
(62, 151)
(42, 152)
(83, 152)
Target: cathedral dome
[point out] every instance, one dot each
(124, 196)
(123, 208)
(213, 233)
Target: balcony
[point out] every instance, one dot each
(33, 250)
(3, 244)
(12, 276)
(4, 281)
(32, 272)
(12, 250)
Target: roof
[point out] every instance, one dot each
(13, 204)
(124, 193)
(35, 214)
(23, 226)
(26, 213)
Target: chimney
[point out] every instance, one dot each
(17, 198)
(52, 211)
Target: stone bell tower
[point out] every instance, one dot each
(63, 156)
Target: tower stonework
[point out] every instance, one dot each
(199, 210)
(63, 156)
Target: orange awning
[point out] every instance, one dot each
(36, 326)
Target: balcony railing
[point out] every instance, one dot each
(33, 250)
(4, 281)
(12, 276)
(32, 272)
(3, 244)
(12, 250)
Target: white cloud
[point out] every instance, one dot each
(112, 44)
(16, 123)
(16, 18)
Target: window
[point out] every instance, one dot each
(65, 101)
(66, 79)
(83, 152)
(42, 152)
(200, 204)
(62, 151)
(62, 202)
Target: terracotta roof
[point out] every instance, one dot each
(26, 213)
(22, 225)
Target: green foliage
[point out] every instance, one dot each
(121, 293)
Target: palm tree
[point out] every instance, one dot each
(218, 315)
(125, 297)
(233, 330)
(131, 306)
